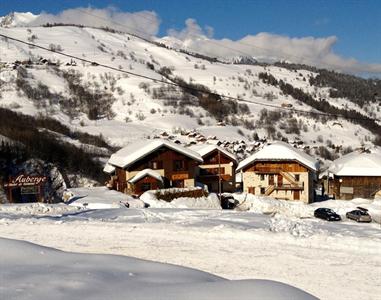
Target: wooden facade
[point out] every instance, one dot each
(145, 184)
(217, 172)
(275, 167)
(176, 169)
(350, 187)
(289, 180)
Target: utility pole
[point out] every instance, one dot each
(219, 174)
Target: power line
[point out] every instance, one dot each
(183, 86)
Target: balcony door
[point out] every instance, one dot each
(271, 179)
(280, 180)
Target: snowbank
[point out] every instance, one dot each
(36, 209)
(210, 202)
(343, 206)
(99, 198)
(295, 227)
(269, 205)
(89, 276)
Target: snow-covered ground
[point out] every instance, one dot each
(83, 276)
(324, 259)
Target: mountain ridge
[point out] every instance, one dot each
(123, 108)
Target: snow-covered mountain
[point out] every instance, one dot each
(17, 19)
(124, 108)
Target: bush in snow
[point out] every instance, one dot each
(55, 47)
(140, 116)
(173, 193)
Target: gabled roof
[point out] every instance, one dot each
(357, 164)
(144, 173)
(205, 149)
(138, 150)
(280, 151)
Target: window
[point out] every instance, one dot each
(178, 165)
(262, 177)
(213, 159)
(263, 190)
(178, 183)
(155, 165)
(297, 177)
(212, 171)
(145, 187)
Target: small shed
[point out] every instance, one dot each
(356, 175)
(146, 180)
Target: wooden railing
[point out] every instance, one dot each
(224, 177)
(269, 190)
(289, 177)
(284, 186)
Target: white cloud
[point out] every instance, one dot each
(271, 47)
(141, 23)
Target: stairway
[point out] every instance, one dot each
(269, 190)
(289, 178)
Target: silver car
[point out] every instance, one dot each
(359, 215)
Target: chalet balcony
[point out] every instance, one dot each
(265, 170)
(286, 186)
(213, 177)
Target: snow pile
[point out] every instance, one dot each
(89, 276)
(98, 198)
(210, 202)
(36, 209)
(269, 205)
(150, 198)
(296, 227)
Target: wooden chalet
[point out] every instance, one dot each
(280, 171)
(355, 175)
(217, 171)
(148, 165)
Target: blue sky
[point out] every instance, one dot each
(356, 24)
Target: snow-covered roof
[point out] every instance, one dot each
(109, 169)
(137, 150)
(205, 149)
(144, 173)
(357, 164)
(280, 151)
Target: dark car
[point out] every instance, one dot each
(228, 201)
(326, 214)
(359, 215)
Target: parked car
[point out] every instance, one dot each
(228, 202)
(359, 215)
(326, 214)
